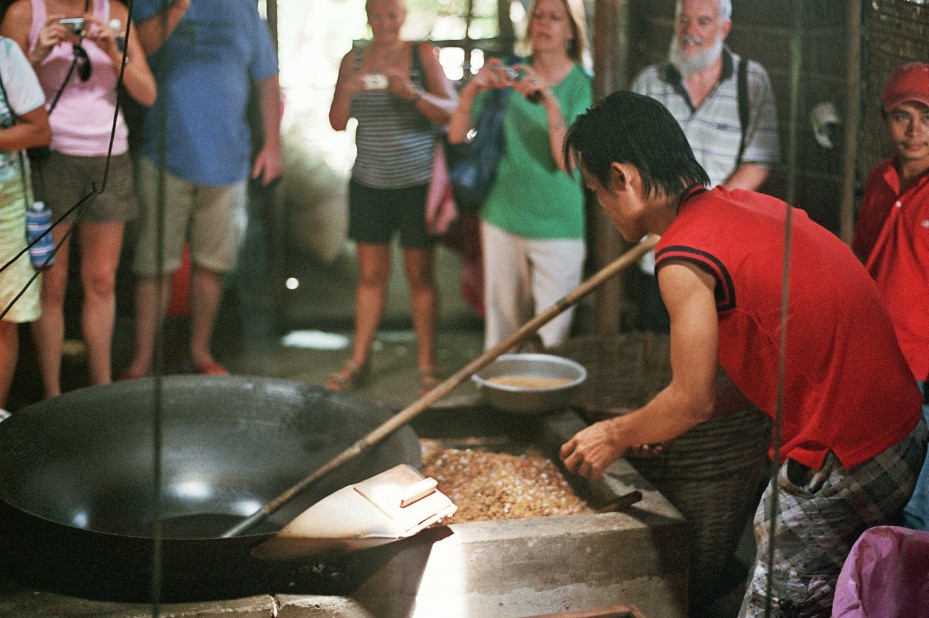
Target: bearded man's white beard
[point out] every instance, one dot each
(689, 65)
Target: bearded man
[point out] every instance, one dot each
(731, 129)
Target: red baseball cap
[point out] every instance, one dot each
(910, 82)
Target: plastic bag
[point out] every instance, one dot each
(886, 575)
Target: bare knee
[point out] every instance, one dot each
(373, 276)
(419, 271)
(99, 284)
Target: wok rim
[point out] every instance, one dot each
(405, 443)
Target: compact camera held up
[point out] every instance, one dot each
(375, 81)
(76, 24)
(514, 75)
(510, 73)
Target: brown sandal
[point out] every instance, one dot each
(349, 377)
(428, 379)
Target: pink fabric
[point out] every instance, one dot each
(886, 575)
(83, 117)
(464, 237)
(460, 233)
(472, 267)
(441, 209)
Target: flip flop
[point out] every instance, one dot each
(348, 378)
(210, 368)
(129, 374)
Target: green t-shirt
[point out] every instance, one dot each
(531, 197)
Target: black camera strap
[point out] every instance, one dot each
(64, 83)
(39, 153)
(71, 68)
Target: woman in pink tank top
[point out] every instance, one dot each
(75, 47)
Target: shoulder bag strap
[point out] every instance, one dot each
(22, 159)
(417, 61)
(743, 102)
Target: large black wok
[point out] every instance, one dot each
(77, 481)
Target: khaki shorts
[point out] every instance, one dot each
(61, 181)
(210, 218)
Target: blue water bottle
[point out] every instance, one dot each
(38, 220)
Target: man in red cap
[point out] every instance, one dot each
(892, 235)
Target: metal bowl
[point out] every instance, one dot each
(524, 398)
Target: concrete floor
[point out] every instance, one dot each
(300, 334)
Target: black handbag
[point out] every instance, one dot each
(473, 166)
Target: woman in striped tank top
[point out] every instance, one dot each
(400, 96)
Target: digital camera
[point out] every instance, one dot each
(76, 24)
(510, 73)
(375, 81)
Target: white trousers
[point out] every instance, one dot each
(523, 277)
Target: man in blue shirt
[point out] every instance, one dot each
(206, 55)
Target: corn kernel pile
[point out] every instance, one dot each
(491, 486)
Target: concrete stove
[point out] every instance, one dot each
(521, 567)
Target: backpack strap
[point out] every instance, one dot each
(743, 102)
(416, 64)
(13, 116)
(22, 160)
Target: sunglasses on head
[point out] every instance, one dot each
(84, 68)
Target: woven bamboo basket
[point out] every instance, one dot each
(710, 474)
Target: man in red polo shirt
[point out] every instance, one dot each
(852, 440)
(892, 235)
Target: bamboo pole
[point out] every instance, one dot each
(852, 120)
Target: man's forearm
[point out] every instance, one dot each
(748, 176)
(155, 30)
(31, 130)
(270, 103)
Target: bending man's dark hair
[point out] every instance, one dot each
(626, 127)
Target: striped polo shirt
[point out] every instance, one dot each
(713, 129)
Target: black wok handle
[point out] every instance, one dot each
(622, 502)
(448, 385)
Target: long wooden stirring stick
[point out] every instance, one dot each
(448, 385)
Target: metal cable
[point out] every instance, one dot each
(795, 63)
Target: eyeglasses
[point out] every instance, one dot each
(82, 61)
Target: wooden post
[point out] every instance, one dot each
(852, 119)
(610, 56)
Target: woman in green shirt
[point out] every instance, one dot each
(532, 225)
